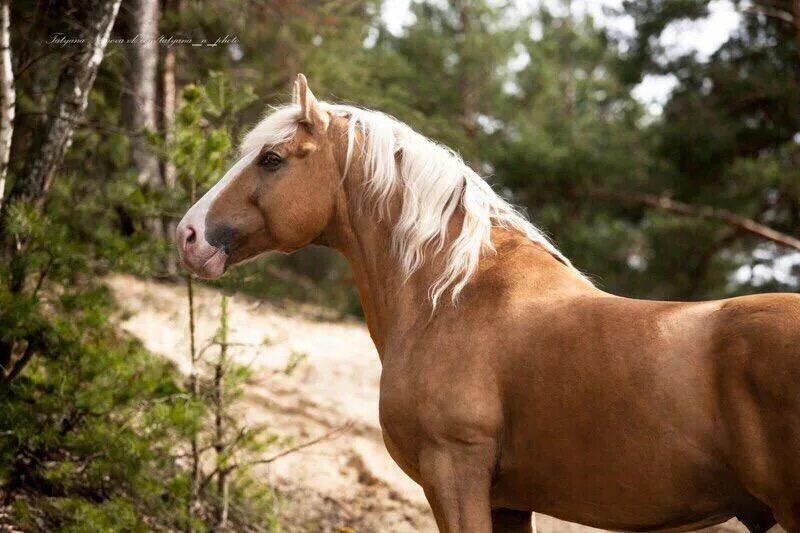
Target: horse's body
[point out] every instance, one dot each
(616, 413)
(537, 392)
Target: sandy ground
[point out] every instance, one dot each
(344, 483)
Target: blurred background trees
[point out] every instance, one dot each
(111, 141)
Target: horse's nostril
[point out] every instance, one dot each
(186, 237)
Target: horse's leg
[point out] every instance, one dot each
(456, 480)
(511, 521)
(757, 524)
(757, 517)
(788, 515)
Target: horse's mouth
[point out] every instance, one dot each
(212, 268)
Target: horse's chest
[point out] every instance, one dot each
(401, 455)
(399, 433)
(403, 404)
(423, 404)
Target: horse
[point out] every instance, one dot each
(510, 383)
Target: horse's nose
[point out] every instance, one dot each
(186, 237)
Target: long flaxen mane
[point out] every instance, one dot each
(434, 183)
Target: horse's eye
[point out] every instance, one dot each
(270, 161)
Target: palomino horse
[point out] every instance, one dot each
(510, 383)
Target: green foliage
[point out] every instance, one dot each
(229, 444)
(203, 145)
(728, 139)
(94, 428)
(93, 420)
(295, 359)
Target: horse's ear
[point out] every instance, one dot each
(311, 112)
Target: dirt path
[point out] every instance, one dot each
(348, 481)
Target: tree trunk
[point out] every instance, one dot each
(796, 24)
(140, 100)
(67, 108)
(168, 120)
(169, 97)
(467, 91)
(53, 139)
(139, 105)
(168, 108)
(7, 94)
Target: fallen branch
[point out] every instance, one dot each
(700, 211)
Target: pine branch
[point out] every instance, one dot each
(770, 12)
(666, 203)
(303, 445)
(283, 453)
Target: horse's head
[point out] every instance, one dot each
(279, 196)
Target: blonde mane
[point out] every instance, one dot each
(434, 182)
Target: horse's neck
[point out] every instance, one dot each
(387, 298)
(395, 306)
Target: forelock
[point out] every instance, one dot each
(279, 126)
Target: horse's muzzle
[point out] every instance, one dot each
(197, 255)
